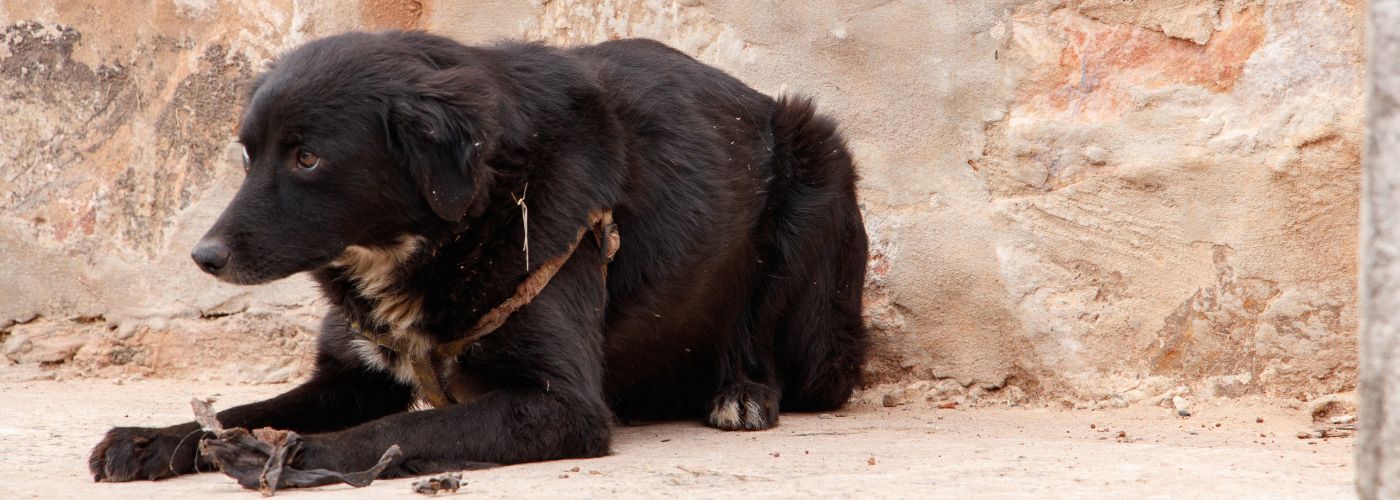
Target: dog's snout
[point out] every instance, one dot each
(211, 254)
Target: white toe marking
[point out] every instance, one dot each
(754, 418)
(726, 416)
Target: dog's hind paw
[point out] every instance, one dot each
(744, 406)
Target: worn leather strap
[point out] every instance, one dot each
(429, 369)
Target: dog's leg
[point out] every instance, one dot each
(747, 399)
(502, 427)
(342, 393)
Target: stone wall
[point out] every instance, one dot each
(1084, 200)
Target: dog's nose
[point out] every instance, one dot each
(211, 254)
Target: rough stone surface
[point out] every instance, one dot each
(1087, 201)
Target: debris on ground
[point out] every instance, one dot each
(1332, 405)
(948, 405)
(1339, 431)
(449, 483)
(871, 461)
(260, 460)
(204, 415)
(704, 472)
(1333, 416)
(1182, 406)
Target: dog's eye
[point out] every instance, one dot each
(247, 161)
(307, 160)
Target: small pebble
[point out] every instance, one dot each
(1180, 402)
(871, 461)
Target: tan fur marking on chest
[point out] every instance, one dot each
(373, 271)
(373, 356)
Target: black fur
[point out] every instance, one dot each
(738, 281)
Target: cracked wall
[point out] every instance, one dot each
(1087, 200)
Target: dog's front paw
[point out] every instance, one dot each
(744, 406)
(142, 453)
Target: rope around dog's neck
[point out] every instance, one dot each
(428, 368)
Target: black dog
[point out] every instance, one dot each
(427, 185)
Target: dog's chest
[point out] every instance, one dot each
(386, 315)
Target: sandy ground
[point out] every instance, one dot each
(47, 428)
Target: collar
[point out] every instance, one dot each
(428, 369)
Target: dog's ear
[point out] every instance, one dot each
(439, 131)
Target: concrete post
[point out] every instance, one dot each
(1378, 449)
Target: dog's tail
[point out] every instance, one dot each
(817, 234)
(807, 147)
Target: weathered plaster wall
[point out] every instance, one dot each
(1092, 200)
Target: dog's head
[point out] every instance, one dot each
(358, 139)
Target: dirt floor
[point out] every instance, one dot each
(1222, 451)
